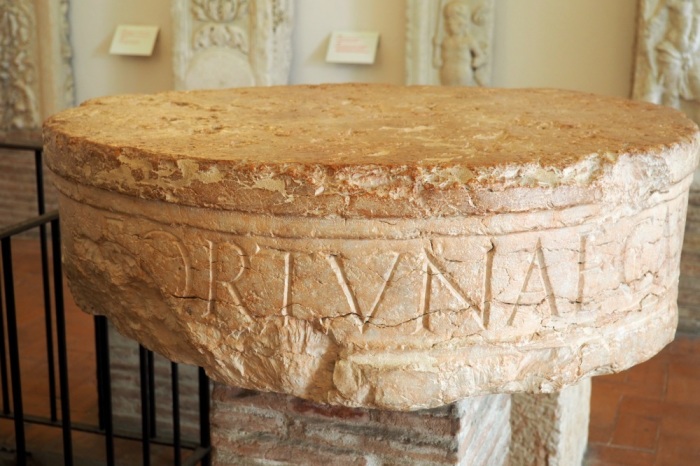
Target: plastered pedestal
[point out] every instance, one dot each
(379, 247)
(550, 429)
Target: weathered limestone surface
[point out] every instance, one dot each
(550, 429)
(379, 246)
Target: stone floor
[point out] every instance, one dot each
(649, 415)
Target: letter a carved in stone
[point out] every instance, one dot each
(537, 261)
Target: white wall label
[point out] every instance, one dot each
(134, 40)
(352, 47)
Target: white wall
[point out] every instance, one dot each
(585, 45)
(316, 19)
(576, 44)
(97, 72)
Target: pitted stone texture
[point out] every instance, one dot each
(377, 246)
(550, 429)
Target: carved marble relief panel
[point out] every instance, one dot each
(449, 42)
(230, 43)
(667, 69)
(36, 76)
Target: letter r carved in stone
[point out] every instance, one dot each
(224, 274)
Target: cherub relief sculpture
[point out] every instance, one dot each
(668, 69)
(461, 53)
(676, 54)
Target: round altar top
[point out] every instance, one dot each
(334, 148)
(378, 246)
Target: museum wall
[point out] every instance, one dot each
(576, 44)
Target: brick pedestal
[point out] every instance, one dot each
(270, 429)
(523, 429)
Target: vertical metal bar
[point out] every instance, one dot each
(151, 395)
(145, 410)
(204, 429)
(99, 361)
(14, 351)
(48, 322)
(104, 383)
(175, 389)
(41, 208)
(61, 342)
(3, 361)
(38, 168)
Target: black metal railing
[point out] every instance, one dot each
(57, 378)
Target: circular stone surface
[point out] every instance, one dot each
(378, 246)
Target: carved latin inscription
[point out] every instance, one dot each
(347, 312)
(364, 317)
(539, 262)
(432, 269)
(227, 263)
(462, 285)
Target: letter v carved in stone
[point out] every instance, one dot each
(350, 296)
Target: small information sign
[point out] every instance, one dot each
(134, 40)
(352, 47)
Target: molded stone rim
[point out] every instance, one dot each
(283, 184)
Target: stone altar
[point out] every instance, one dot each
(376, 246)
(381, 247)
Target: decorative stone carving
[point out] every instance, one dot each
(668, 64)
(19, 75)
(230, 43)
(449, 42)
(36, 77)
(347, 244)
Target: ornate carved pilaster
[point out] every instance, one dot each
(667, 68)
(229, 43)
(18, 66)
(449, 42)
(36, 77)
